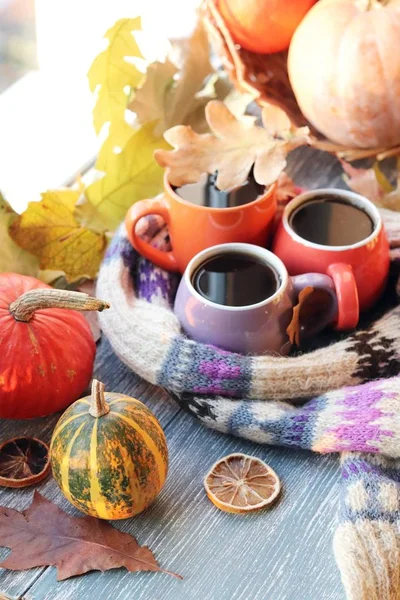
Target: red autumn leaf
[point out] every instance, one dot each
(45, 535)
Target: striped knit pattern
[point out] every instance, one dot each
(367, 540)
(364, 418)
(352, 390)
(146, 335)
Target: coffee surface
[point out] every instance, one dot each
(235, 280)
(205, 193)
(331, 222)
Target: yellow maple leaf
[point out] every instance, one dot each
(13, 259)
(112, 75)
(130, 175)
(48, 229)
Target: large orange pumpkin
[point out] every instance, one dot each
(46, 352)
(263, 26)
(344, 67)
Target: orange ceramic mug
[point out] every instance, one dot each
(193, 228)
(359, 270)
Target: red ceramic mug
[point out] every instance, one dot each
(359, 270)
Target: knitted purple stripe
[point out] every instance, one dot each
(155, 285)
(359, 412)
(150, 283)
(362, 471)
(293, 429)
(118, 247)
(210, 370)
(206, 370)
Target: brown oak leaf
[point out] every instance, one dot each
(232, 149)
(45, 535)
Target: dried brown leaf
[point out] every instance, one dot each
(373, 184)
(150, 100)
(275, 120)
(194, 68)
(237, 102)
(171, 91)
(363, 181)
(286, 189)
(294, 328)
(233, 147)
(45, 535)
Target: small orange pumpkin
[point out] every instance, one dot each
(263, 26)
(46, 351)
(344, 67)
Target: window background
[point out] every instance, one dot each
(45, 115)
(18, 51)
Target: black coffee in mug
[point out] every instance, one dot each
(205, 193)
(331, 221)
(234, 279)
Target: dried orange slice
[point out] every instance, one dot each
(239, 483)
(23, 462)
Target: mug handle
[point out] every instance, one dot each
(314, 282)
(152, 206)
(347, 296)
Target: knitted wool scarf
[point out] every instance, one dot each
(349, 393)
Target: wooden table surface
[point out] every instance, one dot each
(280, 554)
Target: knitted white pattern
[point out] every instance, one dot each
(140, 333)
(367, 542)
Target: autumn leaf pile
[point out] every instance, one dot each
(183, 112)
(62, 238)
(142, 108)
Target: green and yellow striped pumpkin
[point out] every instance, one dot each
(109, 455)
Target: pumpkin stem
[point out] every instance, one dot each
(98, 405)
(374, 3)
(370, 4)
(25, 306)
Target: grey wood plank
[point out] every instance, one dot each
(117, 377)
(313, 169)
(280, 554)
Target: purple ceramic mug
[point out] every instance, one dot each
(260, 327)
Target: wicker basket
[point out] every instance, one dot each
(266, 77)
